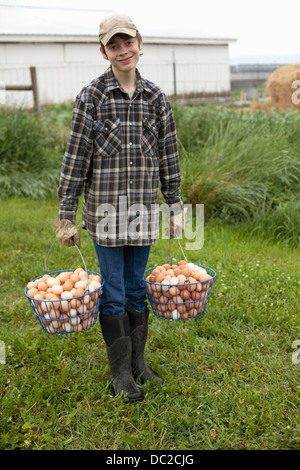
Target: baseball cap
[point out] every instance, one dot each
(115, 24)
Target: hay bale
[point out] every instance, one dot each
(280, 90)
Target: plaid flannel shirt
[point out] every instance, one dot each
(118, 151)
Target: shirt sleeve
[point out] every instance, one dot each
(76, 161)
(169, 171)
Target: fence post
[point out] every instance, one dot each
(34, 88)
(174, 73)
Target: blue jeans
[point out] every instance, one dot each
(122, 269)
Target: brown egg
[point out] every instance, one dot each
(182, 262)
(162, 308)
(77, 328)
(199, 287)
(63, 276)
(39, 296)
(155, 271)
(177, 299)
(80, 285)
(64, 317)
(50, 328)
(186, 295)
(191, 283)
(166, 266)
(177, 271)
(199, 305)
(77, 271)
(74, 303)
(45, 305)
(57, 290)
(68, 285)
(82, 275)
(181, 308)
(185, 271)
(44, 278)
(170, 272)
(42, 286)
(204, 276)
(38, 308)
(73, 316)
(78, 292)
(31, 284)
(82, 308)
(75, 278)
(54, 297)
(168, 314)
(193, 312)
(155, 296)
(64, 305)
(32, 292)
(173, 291)
(196, 275)
(195, 295)
(159, 277)
(161, 268)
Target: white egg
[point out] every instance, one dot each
(173, 281)
(52, 281)
(67, 326)
(66, 295)
(175, 315)
(165, 285)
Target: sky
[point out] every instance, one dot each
(263, 28)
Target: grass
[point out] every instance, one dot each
(243, 166)
(230, 382)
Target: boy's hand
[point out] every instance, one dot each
(67, 232)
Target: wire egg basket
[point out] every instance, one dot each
(66, 313)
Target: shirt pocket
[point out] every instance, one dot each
(149, 139)
(107, 137)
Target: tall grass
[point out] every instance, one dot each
(243, 166)
(30, 155)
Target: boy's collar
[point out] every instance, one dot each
(112, 83)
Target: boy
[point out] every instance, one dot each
(122, 144)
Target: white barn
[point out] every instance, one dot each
(63, 46)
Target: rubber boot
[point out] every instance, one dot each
(138, 332)
(119, 350)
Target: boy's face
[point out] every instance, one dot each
(122, 53)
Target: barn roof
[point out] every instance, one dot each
(44, 24)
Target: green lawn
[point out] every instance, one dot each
(230, 381)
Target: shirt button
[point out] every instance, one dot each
(130, 163)
(130, 123)
(130, 181)
(130, 143)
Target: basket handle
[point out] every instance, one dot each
(45, 262)
(181, 252)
